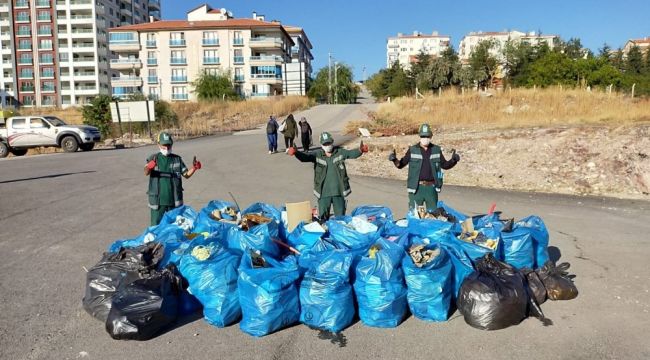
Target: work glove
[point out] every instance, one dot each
(455, 157)
(363, 148)
(151, 164)
(392, 156)
(196, 164)
(292, 151)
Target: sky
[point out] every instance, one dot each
(355, 31)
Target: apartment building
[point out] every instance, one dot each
(161, 59)
(643, 44)
(298, 71)
(55, 52)
(405, 48)
(471, 40)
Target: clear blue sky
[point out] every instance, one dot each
(355, 31)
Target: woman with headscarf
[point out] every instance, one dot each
(290, 131)
(305, 133)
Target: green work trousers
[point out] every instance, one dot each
(325, 202)
(425, 194)
(157, 215)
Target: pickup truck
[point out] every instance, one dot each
(20, 133)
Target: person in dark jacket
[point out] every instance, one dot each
(305, 133)
(290, 132)
(272, 134)
(426, 162)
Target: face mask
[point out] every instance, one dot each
(425, 141)
(165, 151)
(328, 148)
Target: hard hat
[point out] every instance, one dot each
(165, 139)
(326, 138)
(425, 131)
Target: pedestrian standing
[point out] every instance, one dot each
(426, 162)
(165, 171)
(331, 182)
(272, 134)
(290, 132)
(305, 133)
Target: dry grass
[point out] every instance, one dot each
(207, 118)
(508, 109)
(70, 115)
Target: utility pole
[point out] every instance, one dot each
(329, 78)
(364, 75)
(336, 83)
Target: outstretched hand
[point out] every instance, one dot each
(455, 156)
(151, 164)
(363, 147)
(196, 164)
(392, 156)
(291, 151)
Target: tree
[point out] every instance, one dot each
(345, 88)
(399, 85)
(211, 86)
(417, 73)
(98, 114)
(605, 52)
(573, 48)
(483, 63)
(634, 62)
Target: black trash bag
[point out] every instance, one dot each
(144, 307)
(535, 285)
(116, 270)
(494, 297)
(557, 282)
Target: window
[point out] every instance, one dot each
(179, 93)
(22, 16)
(36, 123)
(28, 101)
(24, 30)
(178, 57)
(151, 40)
(237, 38)
(47, 72)
(238, 56)
(48, 85)
(45, 29)
(179, 75)
(239, 74)
(124, 37)
(45, 44)
(24, 44)
(154, 93)
(152, 77)
(210, 57)
(47, 59)
(27, 86)
(19, 123)
(210, 38)
(48, 100)
(25, 59)
(177, 39)
(44, 15)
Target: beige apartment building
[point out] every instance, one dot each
(161, 59)
(471, 40)
(405, 48)
(642, 44)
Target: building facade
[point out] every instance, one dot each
(161, 59)
(471, 40)
(55, 52)
(643, 44)
(298, 71)
(405, 48)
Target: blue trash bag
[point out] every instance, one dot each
(432, 229)
(213, 282)
(268, 295)
(461, 262)
(380, 287)
(182, 216)
(131, 243)
(518, 248)
(176, 244)
(475, 251)
(376, 214)
(451, 211)
(430, 287)
(539, 232)
(258, 237)
(302, 239)
(263, 209)
(205, 222)
(188, 304)
(349, 237)
(326, 298)
(397, 234)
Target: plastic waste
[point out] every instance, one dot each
(518, 248)
(258, 237)
(376, 214)
(212, 271)
(557, 282)
(304, 236)
(395, 233)
(268, 295)
(114, 271)
(539, 232)
(430, 287)
(380, 287)
(144, 307)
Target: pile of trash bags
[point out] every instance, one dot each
(246, 267)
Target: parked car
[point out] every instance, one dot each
(20, 133)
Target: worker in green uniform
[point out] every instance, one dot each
(426, 162)
(331, 182)
(165, 171)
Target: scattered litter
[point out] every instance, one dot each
(421, 256)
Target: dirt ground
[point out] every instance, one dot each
(583, 160)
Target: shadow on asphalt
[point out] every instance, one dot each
(554, 253)
(46, 176)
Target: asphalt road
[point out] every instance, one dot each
(59, 212)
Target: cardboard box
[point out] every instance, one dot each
(297, 212)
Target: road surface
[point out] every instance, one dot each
(59, 212)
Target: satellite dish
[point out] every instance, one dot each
(229, 13)
(223, 11)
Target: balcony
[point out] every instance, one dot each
(124, 45)
(239, 78)
(266, 59)
(101, 10)
(238, 60)
(178, 61)
(22, 19)
(151, 43)
(210, 42)
(125, 64)
(47, 18)
(47, 75)
(78, 62)
(27, 89)
(125, 11)
(80, 19)
(182, 97)
(126, 81)
(48, 89)
(154, 4)
(43, 3)
(265, 43)
(126, 1)
(25, 61)
(210, 61)
(46, 60)
(4, 8)
(238, 42)
(22, 4)
(47, 46)
(45, 32)
(82, 33)
(266, 78)
(125, 23)
(26, 75)
(83, 47)
(152, 62)
(260, 94)
(152, 80)
(176, 42)
(179, 79)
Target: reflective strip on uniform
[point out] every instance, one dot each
(178, 203)
(412, 191)
(338, 158)
(416, 156)
(154, 207)
(321, 161)
(317, 194)
(347, 192)
(434, 156)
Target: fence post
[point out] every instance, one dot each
(633, 86)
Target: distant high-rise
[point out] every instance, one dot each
(405, 48)
(55, 52)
